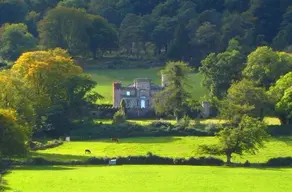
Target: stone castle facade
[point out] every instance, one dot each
(138, 95)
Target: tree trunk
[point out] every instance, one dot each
(228, 156)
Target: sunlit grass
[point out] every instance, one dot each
(148, 178)
(163, 146)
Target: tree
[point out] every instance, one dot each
(264, 66)
(12, 11)
(65, 28)
(283, 39)
(179, 48)
(13, 135)
(244, 98)
(14, 40)
(45, 73)
(131, 32)
(207, 38)
(102, 35)
(248, 137)
(221, 69)
(280, 93)
(284, 106)
(176, 94)
(16, 94)
(123, 106)
(74, 3)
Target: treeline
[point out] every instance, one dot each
(171, 29)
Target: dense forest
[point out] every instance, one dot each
(168, 29)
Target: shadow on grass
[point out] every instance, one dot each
(43, 168)
(136, 140)
(59, 157)
(285, 139)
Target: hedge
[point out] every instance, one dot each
(133, 160)
(279, 130)
(35, 145)
(280, 162)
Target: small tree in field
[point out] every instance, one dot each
(176, 94)
(248, 137)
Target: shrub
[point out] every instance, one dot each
(212, 128)
(280, 162)
(40, 161)
(184, 122)
(36, 145)
(119, 117)
(159, 124)
(279, 130)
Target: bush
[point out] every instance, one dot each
(279, 130)
(280, 162)
(119, 117)
(184, 122)
(212, 128)
(36, 145)
(160, 124)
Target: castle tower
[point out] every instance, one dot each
(116, 94)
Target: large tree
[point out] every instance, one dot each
(46, 72)
(102, 35)
(242, 98)
(221, 69)
(14, 40)
(280, 93)
(176, 94)
(265, 66)
(66, 28)
(247, 137)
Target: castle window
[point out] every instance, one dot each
(143, 104)
(128, 93)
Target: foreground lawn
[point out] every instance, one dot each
(163, 146)
(149, 178)
(105, 78)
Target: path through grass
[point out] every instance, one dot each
(149, 178)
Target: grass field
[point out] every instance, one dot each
(163, 146)
(105, 78)
(149, 178)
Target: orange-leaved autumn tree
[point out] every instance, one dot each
(45, 71)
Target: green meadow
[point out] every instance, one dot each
(148, 178)
(163, 146)
(105, 78)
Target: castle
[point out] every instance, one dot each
(138, 95)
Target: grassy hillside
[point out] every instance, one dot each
(104, 78)
(163, 146)
(149, 178)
